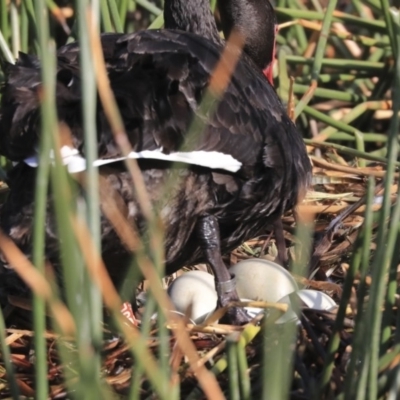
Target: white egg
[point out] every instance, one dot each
(264, 280)
(195, 289)
(317, 300)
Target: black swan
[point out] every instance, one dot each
(248, 166)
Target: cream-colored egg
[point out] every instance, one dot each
(264, 280)
(195, 289)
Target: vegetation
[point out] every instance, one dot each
(344, 58)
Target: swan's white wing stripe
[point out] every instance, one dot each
(210, 159)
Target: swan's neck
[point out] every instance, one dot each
(255, 20)
(191, 16)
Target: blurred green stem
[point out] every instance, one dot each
(6, 359)
(47, 55)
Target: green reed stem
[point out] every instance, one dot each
(6, 358)
(323, 38)
(301, 37)
(385, 8)
(105, 16)
(380, 264)
(284, 80)
(24, 28)
(355, 113)
(15, 33)
(233, 370)
(371, 25)
(31, 11)
(244, 379)
(39, 307)
(74, 279)
(391, 255)
(158, 22)
(213, 4)
(6, 50)
(339, 125)
(391, 258)
(341, 314)
(368, 137)
(123, 9)
(137, 374)
(353, 384)
(89, 108)
(147, 5)
(330, 94)
(331, 78)
(115, 16)
(4, 24)
(157, 250)
(381, 260)
(277, 364)
(348, 150)
(47, 55)
(343, 64)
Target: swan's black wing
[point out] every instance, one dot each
(159, 78)
(249, 123)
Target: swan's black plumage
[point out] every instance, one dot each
(253, 19)
(158, 79)
(194, 17)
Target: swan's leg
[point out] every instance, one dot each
(282, 257)
(208, 233)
